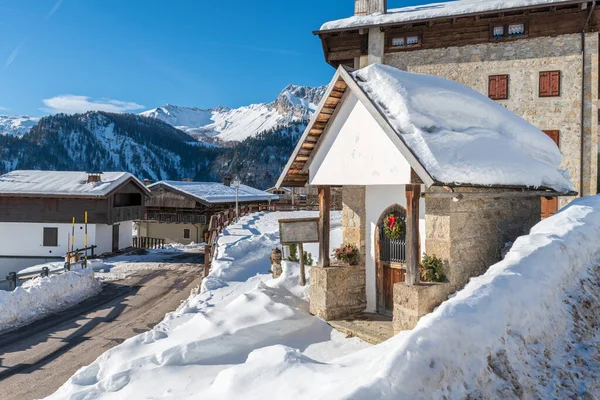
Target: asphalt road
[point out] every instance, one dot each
(36, 360)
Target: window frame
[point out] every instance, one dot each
(490, 77)
(540, 94)
(189, 233)
(55, 236)
(506, 36)
(392, 36)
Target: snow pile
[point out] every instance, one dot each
(215, 192)
(40, 297)
(239, 310)
(433, 10)
(294, 104)
(461, 136)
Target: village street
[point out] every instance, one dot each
(37, 359)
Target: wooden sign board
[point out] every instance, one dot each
(301, 230)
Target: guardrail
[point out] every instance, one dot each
(13, 278)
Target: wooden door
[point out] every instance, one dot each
(550, 205)
(115, 238)
(388, 274)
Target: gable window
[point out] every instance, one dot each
(550, 84)
(186, 233)
(404, 41)
(498, 87)
(506, 31)
(50, 237)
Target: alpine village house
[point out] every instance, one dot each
(465, 173)
(37, 210)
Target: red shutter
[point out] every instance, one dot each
(498, 87)
(554, 135)
(549, 83)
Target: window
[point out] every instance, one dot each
(550, 84)
(404, 41)
(498, 87)
(186, 233)
(506, 31)
(50, 237)
(128, 199)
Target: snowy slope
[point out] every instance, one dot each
(528, 328)
(13, 125)
(294, 104)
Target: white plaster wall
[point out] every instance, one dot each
(26, 239)
(356, 151)
(378, 199)
(125, 234)
(104, 239)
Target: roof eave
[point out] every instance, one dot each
(416, 21)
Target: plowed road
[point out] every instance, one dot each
(37, 360)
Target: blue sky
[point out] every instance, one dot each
(132, 55)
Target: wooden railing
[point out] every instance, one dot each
(120, 214)
(143, 242)
(177, 218)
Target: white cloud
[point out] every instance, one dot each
(3, 108)
(71, 104)
(13, 55)
(54, 8)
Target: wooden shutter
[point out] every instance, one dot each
(498, 87)
(50, 237)
(550, 205)
(549, 83)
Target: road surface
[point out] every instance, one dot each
(36, 360)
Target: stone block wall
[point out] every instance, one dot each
(470, 234)
(354, 216)
(337, 291)
(413, 302)
(523, 60)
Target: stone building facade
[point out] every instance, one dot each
(460, 45)
(522, 61)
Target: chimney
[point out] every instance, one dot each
(94, 177)
(368, 7)
(147, 182)
(227, 181)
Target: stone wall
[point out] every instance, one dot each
(354, 216)
(523, 60)
(470, 234)
(337, 291)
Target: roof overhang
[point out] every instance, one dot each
(296, 171)
(449, 16)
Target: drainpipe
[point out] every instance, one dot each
(581, 149)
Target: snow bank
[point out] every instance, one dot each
(433, 10)
(40, 297)
(239, 310)
(461, 136)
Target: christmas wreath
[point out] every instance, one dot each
(393, 227)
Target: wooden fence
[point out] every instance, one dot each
(143, 242)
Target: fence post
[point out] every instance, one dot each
(67, 266)
(207, 257)
(12, 277)
(45, 272)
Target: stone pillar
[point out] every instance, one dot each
(354, 216)
(339, 291)
(590, 127)
(366, 7)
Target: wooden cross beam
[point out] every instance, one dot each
(413, 195)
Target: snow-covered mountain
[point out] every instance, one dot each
(16, 125)
(294, 105)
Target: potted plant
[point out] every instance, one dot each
(348, 253)
(393, 227)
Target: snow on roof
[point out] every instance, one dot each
(433, 10)
(214, 192)
(61, 183)
(461, 136)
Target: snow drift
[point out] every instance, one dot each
(528, 328)
(40, 297)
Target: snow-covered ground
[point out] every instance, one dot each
(528, 328)
(40, 297)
